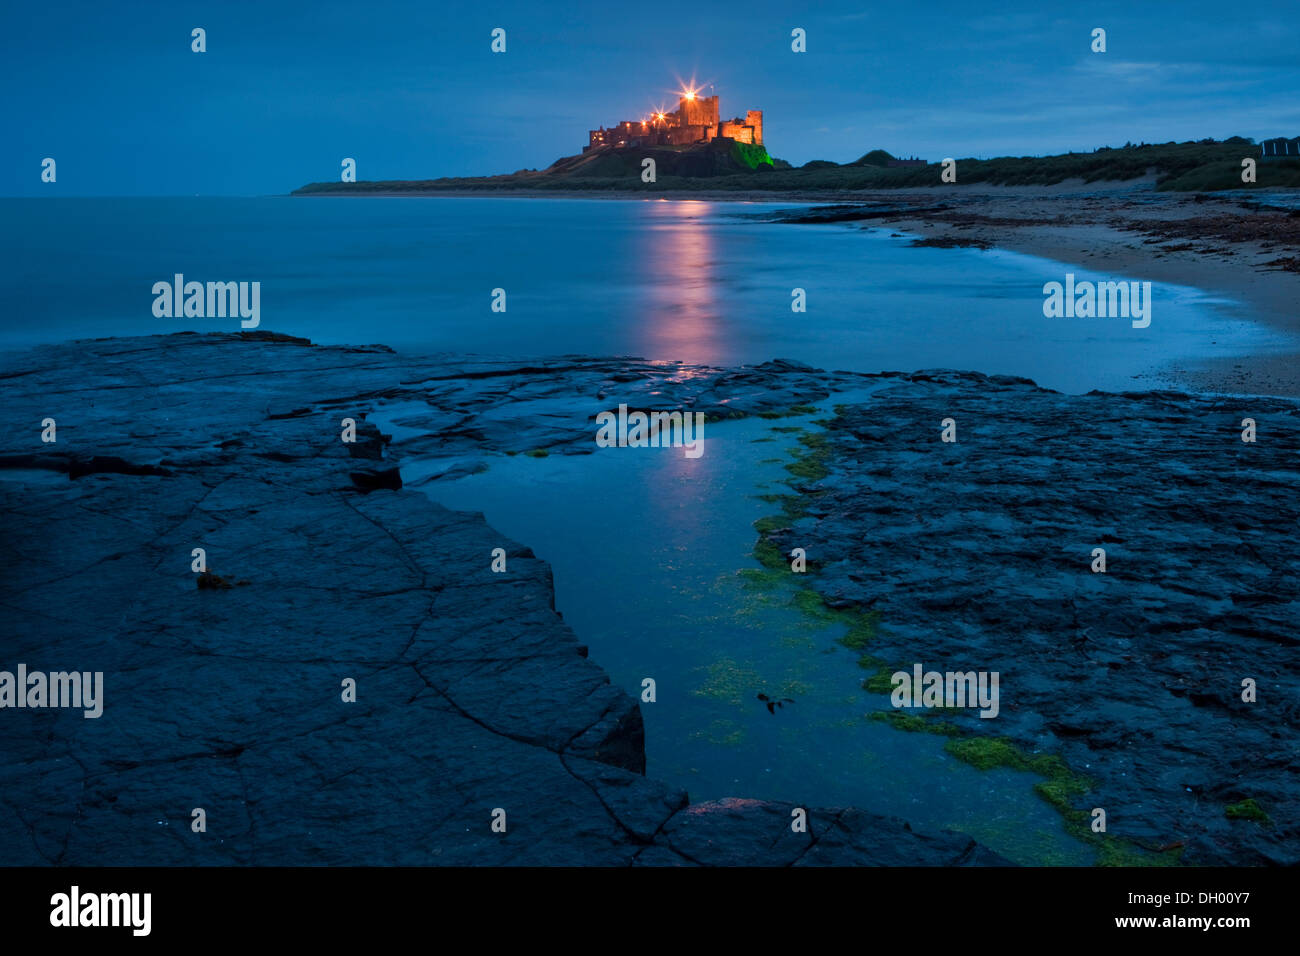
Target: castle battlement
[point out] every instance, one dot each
(696, 120)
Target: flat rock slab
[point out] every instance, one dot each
(977, 555)
(224, 690)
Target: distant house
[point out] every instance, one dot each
(1280, 148)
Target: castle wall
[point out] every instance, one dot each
(737, 131)
(626, 133)
(685, 135)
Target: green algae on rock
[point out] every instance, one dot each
(1248, 809)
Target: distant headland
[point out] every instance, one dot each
(695, 151)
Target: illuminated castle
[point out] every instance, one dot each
(694, 121)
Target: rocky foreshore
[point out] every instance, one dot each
(224, 690)
(343, 679)
(1165, 677)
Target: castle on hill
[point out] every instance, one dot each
(694, 121)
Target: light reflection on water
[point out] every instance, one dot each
(689, 281)
(682, 313)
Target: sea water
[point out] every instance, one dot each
(699, 282)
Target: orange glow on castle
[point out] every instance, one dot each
(694, 121)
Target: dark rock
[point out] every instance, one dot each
(471, 692)
(976, 556)
(374, 479)
(109, 464)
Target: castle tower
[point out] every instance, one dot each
(754, 118)
(698, 111)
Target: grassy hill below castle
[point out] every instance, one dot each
(725, 165)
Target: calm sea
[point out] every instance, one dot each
(692, 281)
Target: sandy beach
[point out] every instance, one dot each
(1212, 244)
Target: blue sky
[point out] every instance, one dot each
(412, 90)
